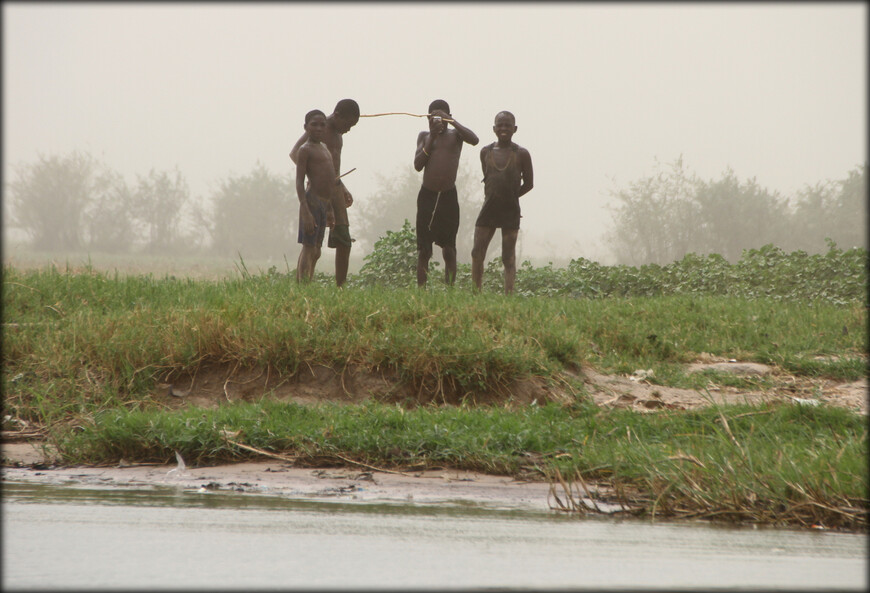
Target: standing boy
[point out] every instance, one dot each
(343, 118)
(507, 175)
(437, 155)
(313, 161)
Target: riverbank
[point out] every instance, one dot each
(26, 462)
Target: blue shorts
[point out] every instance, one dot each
(318, 209)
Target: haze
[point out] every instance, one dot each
(601, 92)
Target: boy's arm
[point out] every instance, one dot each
(301, 171)
(294, 152)
(528, 176)
(483, 152)
(425, 142)
(464, 133)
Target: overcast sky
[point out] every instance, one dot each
(601, 92)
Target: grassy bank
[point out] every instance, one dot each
(790, 465)
(82, 353)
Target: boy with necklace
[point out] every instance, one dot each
(438, 152)
(507, 175)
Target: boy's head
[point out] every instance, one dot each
(506, 114)
(505, 125)
(345, 115)
(312, 113)
(315, 125)
(439, 104)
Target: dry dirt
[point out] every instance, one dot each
(222, 383)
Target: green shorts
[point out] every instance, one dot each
(339, 235)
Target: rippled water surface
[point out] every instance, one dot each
(75, 537)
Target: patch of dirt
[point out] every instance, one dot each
(222, 383)
(217, 384)
(639, 393)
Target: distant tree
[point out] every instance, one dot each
(849, 224)
(255, 215)
(830, 211)
(49, 199)
(657, 219)
(108, 217)
(735, 216)
(158, 205)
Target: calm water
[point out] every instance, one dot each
(77, 537)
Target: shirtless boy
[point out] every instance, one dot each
(437, 155)
(314, 162)
(507, 175)
(343, 118)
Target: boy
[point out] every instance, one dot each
(507, 175)
(343, 118)
(313, 161)
(437, 155)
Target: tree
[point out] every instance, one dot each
(849, 220)
(158, 203)
(830, 210)
(255, 214)
(657, 219)
(108, 219)
(735, 216)
(49, 199)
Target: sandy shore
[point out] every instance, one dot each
(25, 462)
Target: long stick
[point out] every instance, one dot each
(402, 113)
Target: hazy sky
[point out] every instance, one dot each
(601, 92)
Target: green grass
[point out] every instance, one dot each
(83, 351)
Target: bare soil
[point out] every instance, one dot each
(217, 384)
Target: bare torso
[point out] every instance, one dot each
(440, 171)
(319, 169)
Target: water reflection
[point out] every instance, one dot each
(109, 538)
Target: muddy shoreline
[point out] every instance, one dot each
(24, 462)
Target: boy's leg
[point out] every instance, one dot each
(482, 237)
(449, 254)
(509, 257)
(342, 259)
(423, 256)
(307, 260)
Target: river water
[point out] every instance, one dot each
(60, 536)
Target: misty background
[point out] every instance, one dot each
(174, 122)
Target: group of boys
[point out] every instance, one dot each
(507, 175)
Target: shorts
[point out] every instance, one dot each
(339, 235)
(437, 218)
(318, 209)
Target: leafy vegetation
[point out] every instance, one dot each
(837, 276)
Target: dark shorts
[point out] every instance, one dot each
(318, 209)
(339, 235)
(437, 218)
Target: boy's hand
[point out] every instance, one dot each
(330, 217)
(308, 222)
(348, 199)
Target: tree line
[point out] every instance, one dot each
(661, 218)
(74, 202)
